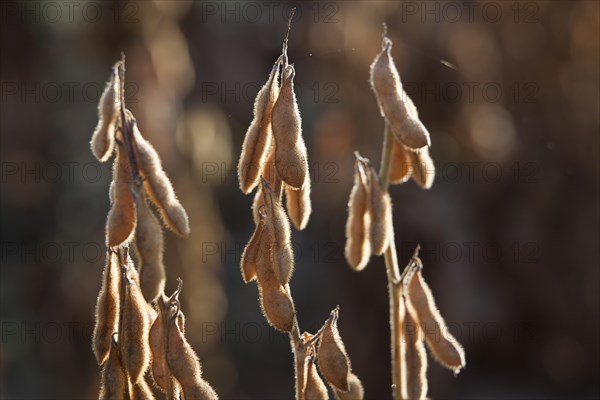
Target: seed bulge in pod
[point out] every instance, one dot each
(121, 220)
(113, 381)
(298, 205)
(358, 226)
(332, 357)
(356, 391)
(140, 391)
(423, 167)
(444, 347)
(291, 161)
(391, 97)
(150, 248)
(401, 165)
(135, 328)
(315, 387)
(158, 185)
(415, 356)
(252, 252)
(380, 209)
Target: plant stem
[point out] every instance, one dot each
(393, 271)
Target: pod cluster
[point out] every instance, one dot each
(326, 350)
(369, 224)
(422, 324)
(137, 328)
(410, 151)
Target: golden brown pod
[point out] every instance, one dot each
(298, 205)
(356, 391)
(422, 167)
(158, 185)
(184, 364)
(122, 218)
(444, 347)
(391, 97)
(401, 165)
(252, 252)
(315, 388)
(103, 139)
(380, 210)
(275, 301)
(140, 391)
(150, 248)
(282, 255)
(107, 309)
(331, 355)
(135, 328)
(291, 160)
(415, 357)
(157, 340)
(358, 226)
(258, 137)
(113, 381)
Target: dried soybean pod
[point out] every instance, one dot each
(184, 364)
(107, 309)
(280, 235)
(258, 137)
(121, 220)
(380, 209)
(356, 391)
(277, 305)
(158, 185)
(444, 347)
(315, 388)
(150, 248)
(140, 391)
(103, 139)
(252, 252)
(157, 340)
(331, 355)
(401, 165)
(391, 97)
(113, 381)
(423, 167)
(290, 151)
(415, 357)
(358, 226)
(135, 328)
(298, 205)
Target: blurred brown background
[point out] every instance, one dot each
(509, 231)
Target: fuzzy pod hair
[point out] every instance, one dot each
(158, 185)
(332, 357)
(391, 97)
(122, 217)
(259, 135)
(380, 209)
(291, 160)
(135, 328)
(107, 309)
(444, 347)
(184, 363)
(358, 226)
(140, 391)
(103, 139)
(149, 243)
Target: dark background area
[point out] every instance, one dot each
(509, 231)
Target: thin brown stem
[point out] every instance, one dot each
(393, 272)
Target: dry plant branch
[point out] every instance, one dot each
(274, 160)
(138, 329)
(412, 307)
